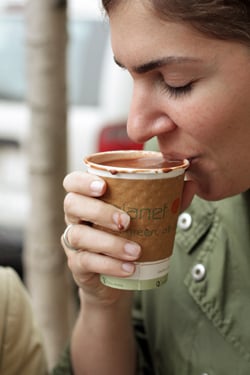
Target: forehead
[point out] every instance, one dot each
(138, 35)
(136, 31)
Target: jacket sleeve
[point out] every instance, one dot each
(63, 367)
(21, 345)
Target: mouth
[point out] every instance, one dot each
(193, 160)
(178, 157)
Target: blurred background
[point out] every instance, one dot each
(61, 98)
(98, 101)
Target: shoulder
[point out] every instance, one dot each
(206, 289)
(212, 259)
(13, 296)
(9, 288)
(213, 220)
(20, 341)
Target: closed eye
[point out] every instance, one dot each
(176, 92)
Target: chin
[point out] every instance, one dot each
(216, 194)
(214, 186)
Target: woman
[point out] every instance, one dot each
(190, 62)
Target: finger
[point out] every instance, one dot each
(85, 265)
(81, 208)
(84, 183)
(85, 237)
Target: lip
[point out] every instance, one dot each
(194, 165)
(193, 160)
(177, 157)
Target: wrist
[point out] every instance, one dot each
(90, 304)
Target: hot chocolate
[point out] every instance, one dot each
(142, 162)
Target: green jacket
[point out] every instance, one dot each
(198, 323)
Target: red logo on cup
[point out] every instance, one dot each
(175, 206)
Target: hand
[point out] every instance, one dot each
(97, 251)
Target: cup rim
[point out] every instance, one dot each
(92, 161)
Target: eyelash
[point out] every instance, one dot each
(176, 92)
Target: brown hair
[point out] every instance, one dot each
(221, 19)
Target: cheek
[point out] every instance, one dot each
(206, 119)
(218, 108)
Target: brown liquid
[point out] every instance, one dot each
(142, 163)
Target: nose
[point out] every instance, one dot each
(148, 116)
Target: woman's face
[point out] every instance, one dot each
(190, 91)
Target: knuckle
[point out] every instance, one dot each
(67, 181)
(70, 180)
(86, 264)
(75, 236)
(69, 201)
(70, 262)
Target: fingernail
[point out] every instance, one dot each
(128, 267)
(122, 220)
(97, 186)
(132, 249)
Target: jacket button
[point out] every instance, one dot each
(184, 221)
(198, 272)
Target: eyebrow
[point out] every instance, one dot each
(158, 63)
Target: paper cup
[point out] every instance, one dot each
(150, 192)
